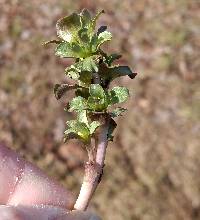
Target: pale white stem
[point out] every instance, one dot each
(102, 145)
(93, 171)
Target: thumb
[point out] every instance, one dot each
(21, 183)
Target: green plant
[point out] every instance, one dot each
(93, 70)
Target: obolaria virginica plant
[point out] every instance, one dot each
(94, 101)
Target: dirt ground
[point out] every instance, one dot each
(152, 168)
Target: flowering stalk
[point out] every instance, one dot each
(94, 102)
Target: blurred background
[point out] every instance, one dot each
(153, 166)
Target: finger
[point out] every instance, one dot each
(8, 213)
(24, 184)
(42, 213)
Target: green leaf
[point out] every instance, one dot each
(82, 117)
(85, 17)
(98, 99)
(103, 37)
(77, 104)
(117, 112)
(121, 71)
(94, 43)
(110, 73)
(61, 89)
(96, 104)
(118, 95)
(111, 128)
(70, 135)
(52, 42)
(97, 91)
(89, 64)
(66, 49)
(98, 40)
(83, 35)
(85, 79)
(79, 128)
(84, 92)
(93, 126)
(73, 71)
(68, 27)
(84, 67)
(94, 20)
(111, 58)
(71, 124)
(73, 74)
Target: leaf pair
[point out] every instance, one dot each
(81, 128)
(83, 70)
(98, 99)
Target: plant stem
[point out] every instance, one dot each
(93, 170)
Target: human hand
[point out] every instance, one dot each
(26, 193)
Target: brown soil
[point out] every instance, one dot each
(153, 166)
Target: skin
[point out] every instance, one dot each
(26, 193)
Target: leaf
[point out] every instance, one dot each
(85, 17)
(79, 128)
(82, 117)
(118, 95)
(68, 27)
(66, 49)
(83, 35)
(71, 124)
(60, 89)
(73, 74)
(96, 91)
(89, 64)
(96, 104)
(85, 79)
(94, 43)
(77, 104)
(103, 37)
(84, 92)
(112, 58)
(111, 128)
(93, 126)
(98, 99)
(110, 73)
(82, 71)
(121, 71)
(73, 71)
(117, 112)
(52, 42)
(72, 49)
(70, 135)
(94, 20)
(133, 75)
